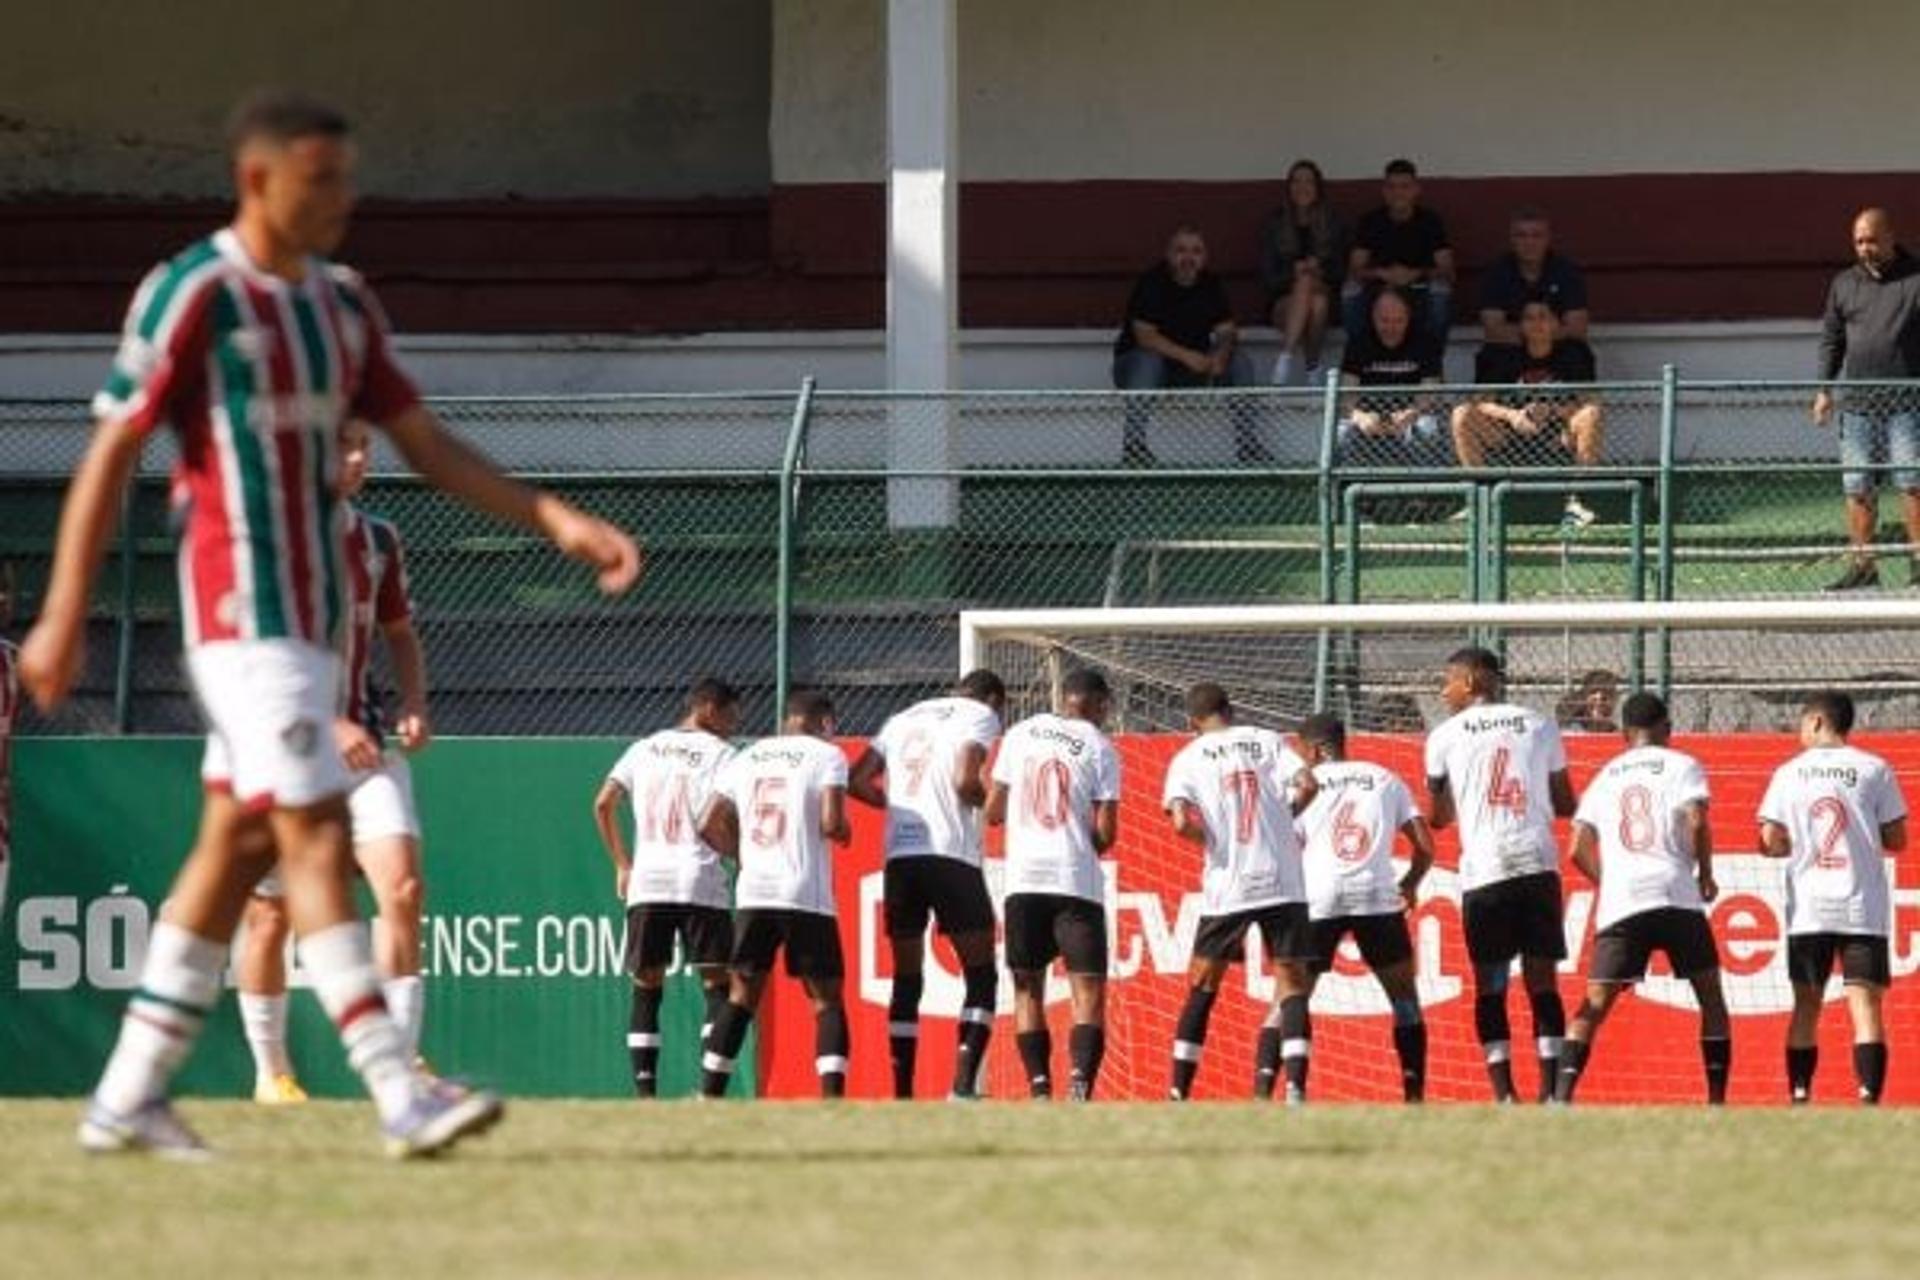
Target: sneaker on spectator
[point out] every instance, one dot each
(1578, 514)
(1861, 575)
(155, 1129)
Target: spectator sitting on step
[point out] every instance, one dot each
(1530, 271)
(1396, 429)
(1302, 258)
(1535, 427)
(1400, 245)
(1179, 332)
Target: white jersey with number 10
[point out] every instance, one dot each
(1349, 831)
(1833, 802)
(922, 747)
(1634, 806)
(1237, 780)
(1496, 759)
(776, 786)
(1055, 770)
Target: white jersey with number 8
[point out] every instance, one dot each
(1237, 779)
(776, 786)
(1634, 806)
(1833, 802)
(1349, 831)
(1496, 759)
(922, 747)
(1055, 770)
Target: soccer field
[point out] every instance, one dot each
(567, 1189)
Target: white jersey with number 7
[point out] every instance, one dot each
(1833, 802)
(1055, 770)
(1496, 759)
(1237, 779)
(776, 787)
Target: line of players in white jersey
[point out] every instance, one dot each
(1299, 846)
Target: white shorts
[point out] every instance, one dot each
(269, 706)
(381, 804)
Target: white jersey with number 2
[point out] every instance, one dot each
(1635, 806)
(1237, 779)
(923, 746)
(1833, 802)
(1055, 770)
(1496, 759)
(776, 786)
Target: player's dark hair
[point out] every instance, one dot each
(712, 691)
(1482, 662)
(1326, 729)
(1084, 682)
(1208, 701)
(1644, 711)
(809, 704)
(1401, 165)
(1835, 707)
(279, 116)
(981, 685)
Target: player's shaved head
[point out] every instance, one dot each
(983, 685)
(276, 117)
(1208, 701)
(1835, 708)
(1324, 729)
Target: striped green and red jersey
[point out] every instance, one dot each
(256, 375)
(377, 589)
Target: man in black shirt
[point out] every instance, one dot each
(1871, 331)
(1179, 332)
(1531, 271)
(1400, 245)
(1393, 428)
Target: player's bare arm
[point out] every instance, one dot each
(1187, 823)
(1560, 790)
(1440, 804)
(410, 673)
(1893, 835)
(863, 780)
(833, 815)
(1106, 824)
(51, 655)
(1301, 791)
(995, 810)
(1586, 851)
(359, 748)
(970, 775)
(606, 820)
(721, 828)
(1421, 840)
(448, 463)
(1699, 831)
(1774, 841)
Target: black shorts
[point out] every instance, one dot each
(1622, 949)
(1382, 937)
(1041, 926)
(1284, 931)
(1864, 959)
(951, 891)
(705, 933)
(1517, 917)
(811, 941)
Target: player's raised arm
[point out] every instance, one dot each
(1421, 839)
(606, 820)
(863, 780)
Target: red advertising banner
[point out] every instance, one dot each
(1646, 1053)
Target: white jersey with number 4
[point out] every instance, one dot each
(1636, 805)
(1833, 802)
(923, 746)
(668, 779)
(1055, 770)
(1237, 779)
(1496, 759)
(1348, 832)
(777, 786)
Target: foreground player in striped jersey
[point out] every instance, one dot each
(934, 757)
(1641, 833)
(1502, 770)
(1056, 789)
(1834, 812)
(673, 883)
(1352, 888)
(1234, 791)
(256, 350)
(775, 807)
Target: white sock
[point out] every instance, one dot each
(1283, 370)
(406, 1005)
(264, 1019)
(179, 982)
(340, 959)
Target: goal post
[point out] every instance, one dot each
(1736, 674)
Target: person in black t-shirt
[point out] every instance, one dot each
(1179, 332)
(1531, 271)
(1534, 428)
(1400, 245)
(1396, 428)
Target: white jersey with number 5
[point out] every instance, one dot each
(776, 786)
(668, 779)
(1349, 831)
(1237, 779)
(922, 747)
(1833, 802)
(1634, 805)
(1055, 770)
(1496, 759)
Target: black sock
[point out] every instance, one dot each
(1573, 1060)
(1870, 1069)
(1410, 1042)
(1496, 1034)
(714, 997)
(1266, 1062)
(976, 1028)
(1036, 1053)
(643, 1039)
(1188, 1037)
(1716, 1054)
(830, 1042)
(1296, 1044)
(903, 1030)
(723, 1046)
(1549, 1031)
(1801, 1064)
(1086, 1045)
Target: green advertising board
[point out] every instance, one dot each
(522, 940)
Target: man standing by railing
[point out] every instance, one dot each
(1871, 330)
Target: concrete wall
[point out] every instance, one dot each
(453, 98)
(1234, 89)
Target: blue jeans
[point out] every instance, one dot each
(1143, 370)
(1870, 442)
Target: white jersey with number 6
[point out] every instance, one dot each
(776, 786)
(1496, 759)
(669, 778)
(1349, 831)
(1833, 802)
(1634, 806)
(1237, 779)
(1055, 770)
(922, 747)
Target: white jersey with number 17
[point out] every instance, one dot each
(1237, 779)
(1634, 806)
(1496, 759)
(923, 746)
(1055, 770)
(1833, 802)
(777, 786)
